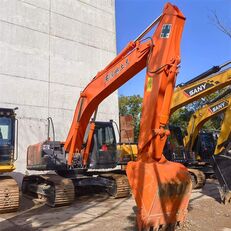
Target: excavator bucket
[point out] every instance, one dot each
(162, 192)
(221, 166)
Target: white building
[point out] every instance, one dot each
(49, 51)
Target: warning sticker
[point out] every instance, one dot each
(165, 32)
(149, 85)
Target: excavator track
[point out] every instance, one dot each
(120, 187)
(54, 189)
(198, 178)
(9, 194)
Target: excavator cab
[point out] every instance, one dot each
(104, 151)
(7, 139)
(204, 146)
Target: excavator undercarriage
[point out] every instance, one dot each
(56, 190)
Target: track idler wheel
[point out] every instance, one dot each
(162, 191)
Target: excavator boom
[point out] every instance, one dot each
(205, 85)
(201, 116)
(161, 188)
(224, 137)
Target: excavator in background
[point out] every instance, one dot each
(199, 146)
(161, 188)
(197, 120)
(9, 189)
(200, 86)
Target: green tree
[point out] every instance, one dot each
(131, 105)
(181, 118)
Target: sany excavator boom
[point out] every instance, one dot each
(204, 84)
(161, 188)
(221, 161)
(201, 86)
(224, 136)
(200, 117)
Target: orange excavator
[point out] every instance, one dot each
(161, 188)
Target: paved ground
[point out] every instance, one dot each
(102, 213)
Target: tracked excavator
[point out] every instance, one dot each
(210, 81)
(161, 188)
(199, 118)
(9, 190)
(196, 144)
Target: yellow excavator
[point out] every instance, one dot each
(200, 117)
(224, 137)
(9, 190)
(199, 146)
(204, 84)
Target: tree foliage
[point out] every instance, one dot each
(182, 116)
(131, 105)
(219, 23)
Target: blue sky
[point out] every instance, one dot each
(202, 46)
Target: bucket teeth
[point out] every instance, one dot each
(162, 192)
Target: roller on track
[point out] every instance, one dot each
(198, 178)
(120, 187)
(54, 189)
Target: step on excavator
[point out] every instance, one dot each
(161, 188)
(9, 190)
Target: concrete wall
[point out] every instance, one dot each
(49, 51)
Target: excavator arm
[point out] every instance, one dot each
(127, 64)
(160, 53)
(201, 116)
(161, 188)
(224, 136)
